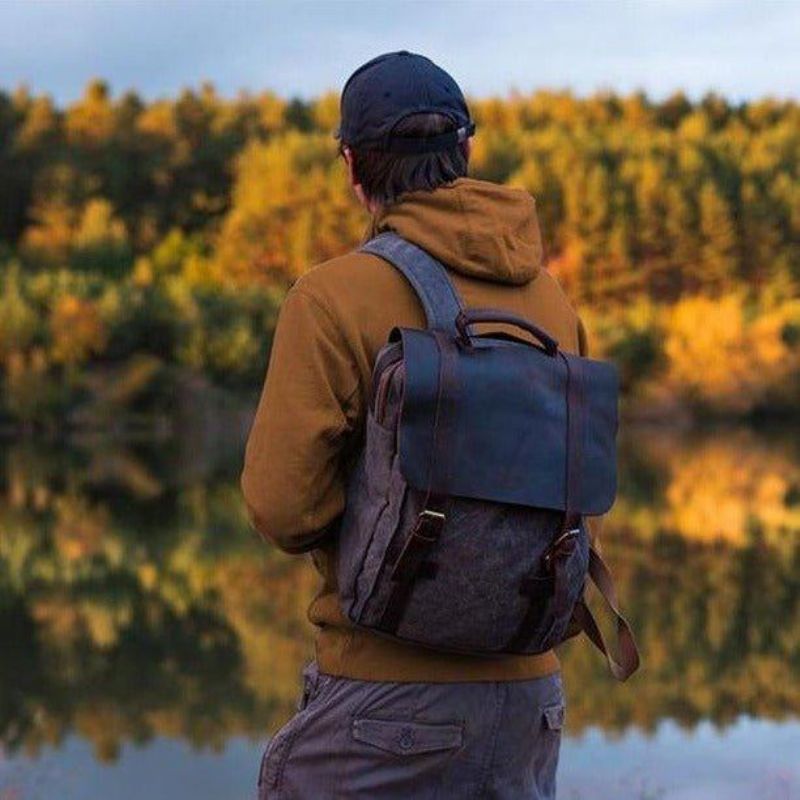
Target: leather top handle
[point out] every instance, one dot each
(470, 316)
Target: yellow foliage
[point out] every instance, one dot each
(77, 330)
(59, 231)
(97, 226)
(79, 529)
(719, 489)
(291, 208)
(18, 321)
(325, 112)
(567, 265)
(27, 386)
(719, 358)
(90, 121)
(158, 120)
(271, 110)
(50, 236)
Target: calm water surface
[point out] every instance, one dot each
(150, 644)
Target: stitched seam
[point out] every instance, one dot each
(382, 567)
(375, 527)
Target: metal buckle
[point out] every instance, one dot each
(565, 535)
(429, 517)
(547, 558)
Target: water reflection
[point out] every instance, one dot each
(135, 602)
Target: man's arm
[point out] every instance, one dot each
(292, 479)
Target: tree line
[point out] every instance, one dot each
(171, 229)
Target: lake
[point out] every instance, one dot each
(150, 643)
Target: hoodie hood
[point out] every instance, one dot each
(481, 229)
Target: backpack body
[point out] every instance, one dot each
(463, 529)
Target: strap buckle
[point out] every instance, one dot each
(429, 519)
(552, 551)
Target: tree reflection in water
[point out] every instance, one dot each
(135, 602)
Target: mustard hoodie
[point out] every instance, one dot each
(310, 417)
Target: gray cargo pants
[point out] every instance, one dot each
(462, 741)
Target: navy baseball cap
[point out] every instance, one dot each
(395, 85)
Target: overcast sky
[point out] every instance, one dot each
(743, 49)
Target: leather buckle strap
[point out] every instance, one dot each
(625, 660)
(534, 584)
(563, 545)
(410, 563)
(431, 519)
(423, 535)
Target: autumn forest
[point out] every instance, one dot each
(145, 246)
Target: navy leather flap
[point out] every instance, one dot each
(502, 423)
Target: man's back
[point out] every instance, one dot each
(333, 323)
(380, 717)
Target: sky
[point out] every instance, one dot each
(743, 49)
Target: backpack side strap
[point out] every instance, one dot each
(625, 661)
(426, 275)
(429, 525)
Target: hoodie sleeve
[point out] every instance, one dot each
(595, 523)
(292, 480)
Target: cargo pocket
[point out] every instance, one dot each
(554, 717)
(406, 738)
(547, 749)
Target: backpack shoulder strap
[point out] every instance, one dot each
(426, 275)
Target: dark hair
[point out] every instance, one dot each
(385, 176)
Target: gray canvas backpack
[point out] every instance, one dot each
(464, 525)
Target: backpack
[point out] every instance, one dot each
(464, 525)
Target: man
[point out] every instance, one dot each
(380, 719)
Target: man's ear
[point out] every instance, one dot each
(348, 158)
(354, 182)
